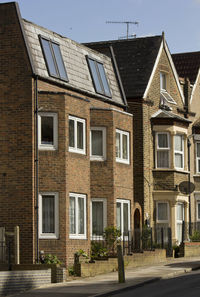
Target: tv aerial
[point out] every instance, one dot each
(127, 26)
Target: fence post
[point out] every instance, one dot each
(162, 238)
(183, 231)
(169, 246)
(16, 245)
(151, 240)
(121, 273)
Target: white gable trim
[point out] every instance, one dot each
(194, 86)
(174, 71)
(153, 72)
(164, 45)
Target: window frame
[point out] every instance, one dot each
(53, 55)
(164, 91)
(75, 149)
(77, 235)
(158, 221)
(53, 146)
(98, 157)
(54, 235)
(104, 200)
(197, 158)
(182, 153)
(122, 202)
(121, 159)
(103, 91)
(163, 149)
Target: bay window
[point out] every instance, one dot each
(98, 143)
(76, 135)
(123, 215)
(98, 216)
(122, 146)
(163, 150)
(198, 157)
(178, 151)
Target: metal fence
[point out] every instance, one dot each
(135, 241)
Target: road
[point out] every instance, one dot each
(186, 285)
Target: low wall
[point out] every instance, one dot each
(191, 249)
(135, 260)
(16, 281)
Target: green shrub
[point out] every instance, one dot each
(111, 236)
(51, 259)
(195, 236)
(97, 250)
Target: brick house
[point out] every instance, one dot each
(160, 130)
(188, 65)
(66, 160)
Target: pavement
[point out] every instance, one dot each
(107, 284)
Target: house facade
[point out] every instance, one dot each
(155, 97)
(187, 65)
(66, 155)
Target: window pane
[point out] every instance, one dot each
(125, 146)
(163, 141)
(49, 58)
(178, 143)
(48, 214)
(81, 223)
(162, 211)
(104, 79)
(163, 159)
(118, 153)
(97, 218)
(80, 135)
(71, 133)
(180, 212)
(59, 61)
(97, 142)
(198, 150)
(72, 215)
(118, 216)
(198, 165)
(178, 160)
(46, 130)
(125, 217)
(163, 81)
(95, 76)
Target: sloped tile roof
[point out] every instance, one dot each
(187, 65)
(135, 59)
(161, 113)
(74, 57)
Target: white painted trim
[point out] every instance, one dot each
(182, 153)
(197, 158)
(77, 235)
(174, 71)
(104, 200)
(75, 149)
(56, 207)
(168, 212)
(164, 45)
(163, 149)
(179, 221)
(153, 71)
(120, 159)
(194, 86)
(48, 147)
(122, 202)
(95, 157)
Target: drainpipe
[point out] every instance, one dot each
(36, 169)
(189, 197)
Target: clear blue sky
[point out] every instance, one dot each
(85, 20)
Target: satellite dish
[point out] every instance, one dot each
(186, 187)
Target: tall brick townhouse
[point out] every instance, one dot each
(66, 160)
(188, 68)
(160, 130)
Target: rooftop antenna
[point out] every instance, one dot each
(127, 25)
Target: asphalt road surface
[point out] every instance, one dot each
(182, 286)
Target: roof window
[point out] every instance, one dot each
(99, 77)
(53, 59)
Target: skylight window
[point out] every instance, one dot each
(99, 77)
(53, 59)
